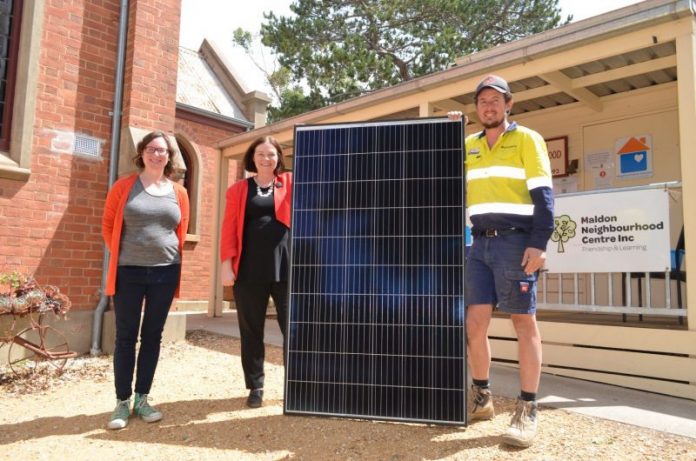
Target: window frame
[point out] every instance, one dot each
(11, 76)
(16, 158)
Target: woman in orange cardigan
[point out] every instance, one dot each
(255, 254)
(144, 225)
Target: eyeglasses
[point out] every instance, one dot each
(156, 150)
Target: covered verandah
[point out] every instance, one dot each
(628, 71)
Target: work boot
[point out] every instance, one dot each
(523, 426)
(480, 404)
(120, 415)
(144, 410)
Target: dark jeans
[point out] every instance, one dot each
(156, 285)
(252, 300)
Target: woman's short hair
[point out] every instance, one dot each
(140, 148)
(248, 160)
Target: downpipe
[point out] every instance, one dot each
(103, 303)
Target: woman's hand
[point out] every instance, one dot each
(227, 274)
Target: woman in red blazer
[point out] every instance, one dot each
(254, 249)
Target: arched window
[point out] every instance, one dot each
(189, 177)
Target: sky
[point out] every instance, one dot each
(217, 19)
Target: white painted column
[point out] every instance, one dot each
(686, 92)
(221, 183)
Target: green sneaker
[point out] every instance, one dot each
(144, 410)
(119, 418)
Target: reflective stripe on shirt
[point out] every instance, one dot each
(507, 208)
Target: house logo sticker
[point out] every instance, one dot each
(635, 156)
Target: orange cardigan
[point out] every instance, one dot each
(233, 221)
(112, 224)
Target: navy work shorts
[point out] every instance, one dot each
(494, 274)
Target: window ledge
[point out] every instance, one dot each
(195, 238)
(10, 170)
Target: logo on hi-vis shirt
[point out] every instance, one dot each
(524, 287)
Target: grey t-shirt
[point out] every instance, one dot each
(149, 229)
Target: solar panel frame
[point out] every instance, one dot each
(343, 333)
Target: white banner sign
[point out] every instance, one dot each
(611, 232)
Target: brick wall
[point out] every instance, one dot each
(50, 224)
(151, 64)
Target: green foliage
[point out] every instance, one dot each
(242, 38)
(294, 102)
(12, 280)
(344, 48)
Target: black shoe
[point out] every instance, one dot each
(255, 398)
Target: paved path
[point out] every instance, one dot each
(668, 414)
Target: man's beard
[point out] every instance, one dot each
(494, 124)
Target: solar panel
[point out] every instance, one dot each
(376, 305)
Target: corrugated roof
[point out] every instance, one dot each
(198, 86)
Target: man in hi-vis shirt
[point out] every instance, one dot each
(510, 204)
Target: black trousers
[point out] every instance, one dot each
(156, 285)
(251, 299)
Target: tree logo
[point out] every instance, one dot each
(563, 230)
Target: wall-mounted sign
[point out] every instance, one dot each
(600, 166)
(634, 156)
(558, 154)
(618, 231)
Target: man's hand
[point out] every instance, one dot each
(533, 259)
(457, 115)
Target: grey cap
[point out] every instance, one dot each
(493, 81)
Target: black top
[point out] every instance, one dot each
(265, 253)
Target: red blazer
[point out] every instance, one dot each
(112, 224)
(233, 221)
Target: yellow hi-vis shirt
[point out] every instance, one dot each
(498, 180)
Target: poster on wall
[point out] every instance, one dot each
(565, 185)
(558, 155)
(600, 166)
(634, 156)
(618, 231)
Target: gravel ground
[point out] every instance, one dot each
(200, 389)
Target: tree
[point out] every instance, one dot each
(345, 48)
(289, 95)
